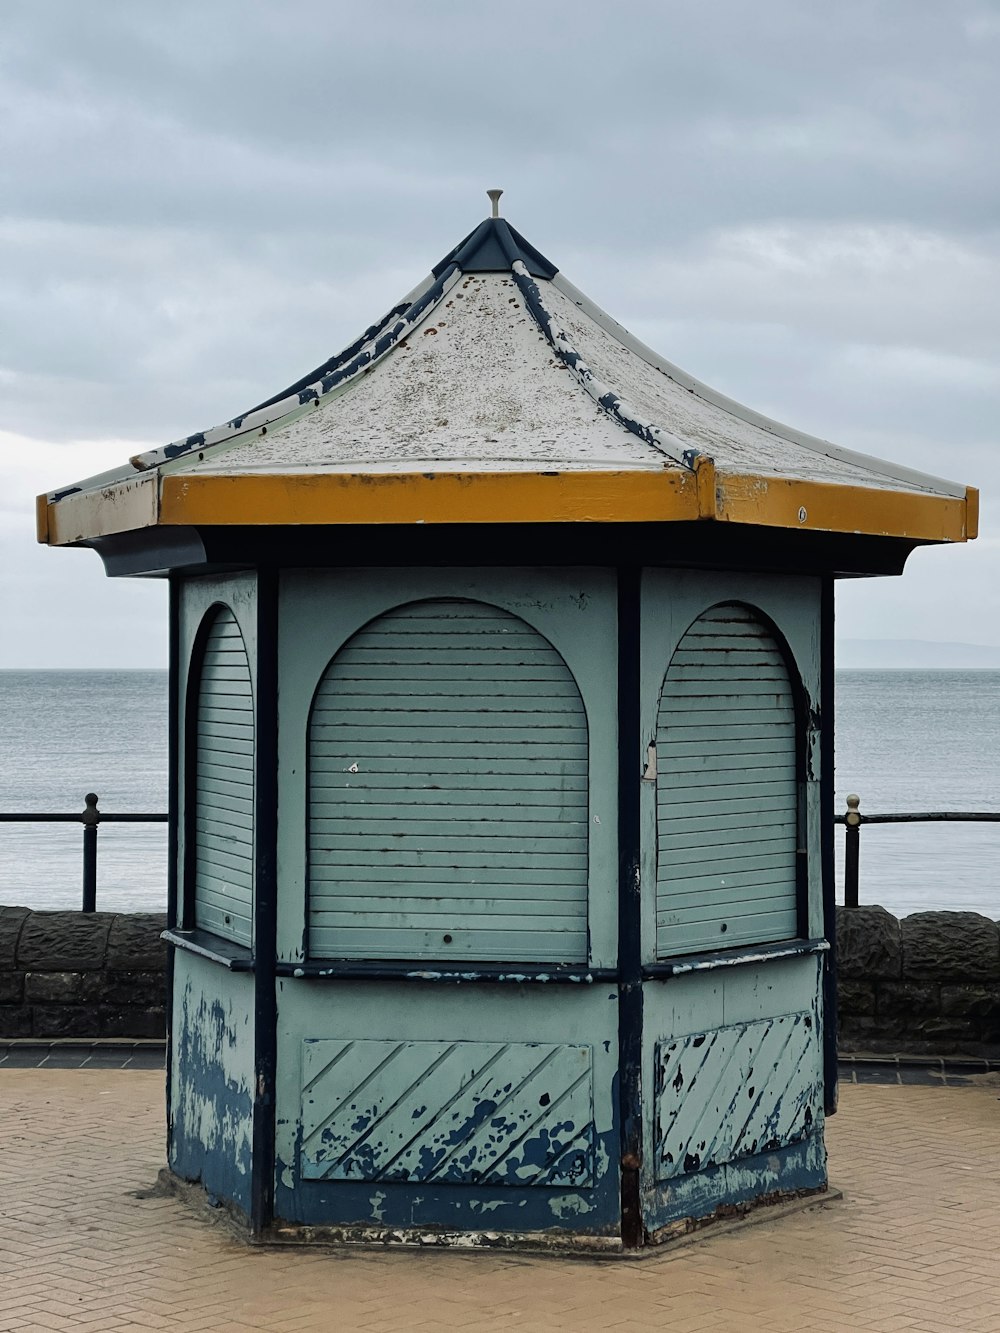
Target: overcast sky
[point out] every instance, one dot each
(795, 201)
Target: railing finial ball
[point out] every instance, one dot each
(853, 816)
(91, 814)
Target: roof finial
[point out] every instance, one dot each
(494, 197)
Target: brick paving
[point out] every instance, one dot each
(86, 1244)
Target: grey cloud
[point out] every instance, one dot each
(192, 112)
(797, 202)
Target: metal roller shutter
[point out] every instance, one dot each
(448, 792)
(726, 789)
(224, 770)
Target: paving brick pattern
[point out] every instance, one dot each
(85, 1244)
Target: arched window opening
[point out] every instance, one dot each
(448, 792)
(727, 790)
(222, 820)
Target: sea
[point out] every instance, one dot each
(906, 740)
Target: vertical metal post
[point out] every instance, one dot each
(265, 904)
(827, 703)
(90, 819)
(173, 801)
(852, 850)
(630, 996)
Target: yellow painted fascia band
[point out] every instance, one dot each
(564, 497)
(825, 507)
(706, 482)
(279, 500)
(442, 497)
(971, 513)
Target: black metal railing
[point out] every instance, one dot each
(852, 819)
(91, 818)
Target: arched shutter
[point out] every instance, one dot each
(224, 769)
(448, 792)
(726, 789)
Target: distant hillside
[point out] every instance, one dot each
(915, 654)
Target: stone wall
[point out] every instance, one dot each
(928, 984)
(70, 974)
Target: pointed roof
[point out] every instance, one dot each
(497, 392)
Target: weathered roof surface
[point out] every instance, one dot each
(475, 383)
(498, 374)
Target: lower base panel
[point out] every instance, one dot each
(728, 1217)
(768, 1208)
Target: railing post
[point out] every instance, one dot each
(90, 819)
(852, 850)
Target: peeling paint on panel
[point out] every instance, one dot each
(571, 1205)
(814, 734)
(488, 1205)
(542, 1240)
(746, 959)
(211, 1136)
(718, 1191)
(452, 1112)
(736, 1092)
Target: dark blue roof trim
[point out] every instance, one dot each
(382, 345)
(192, 442)
(362, 353)
(492, 248)
(609, 400)
(327, 368)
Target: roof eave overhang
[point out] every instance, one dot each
(81, 515)
(443, 497)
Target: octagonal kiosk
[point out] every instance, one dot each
(501, 687)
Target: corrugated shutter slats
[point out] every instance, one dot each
(223, 821)
(463, 832)
(726, 789)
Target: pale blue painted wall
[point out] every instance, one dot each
(519, 1032)
(720, 1033)
(492, 1150)
(212, 1052)
(574, 611)
(745, 1104)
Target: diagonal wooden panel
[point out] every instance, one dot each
(453, 1112)
(734, 1092)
